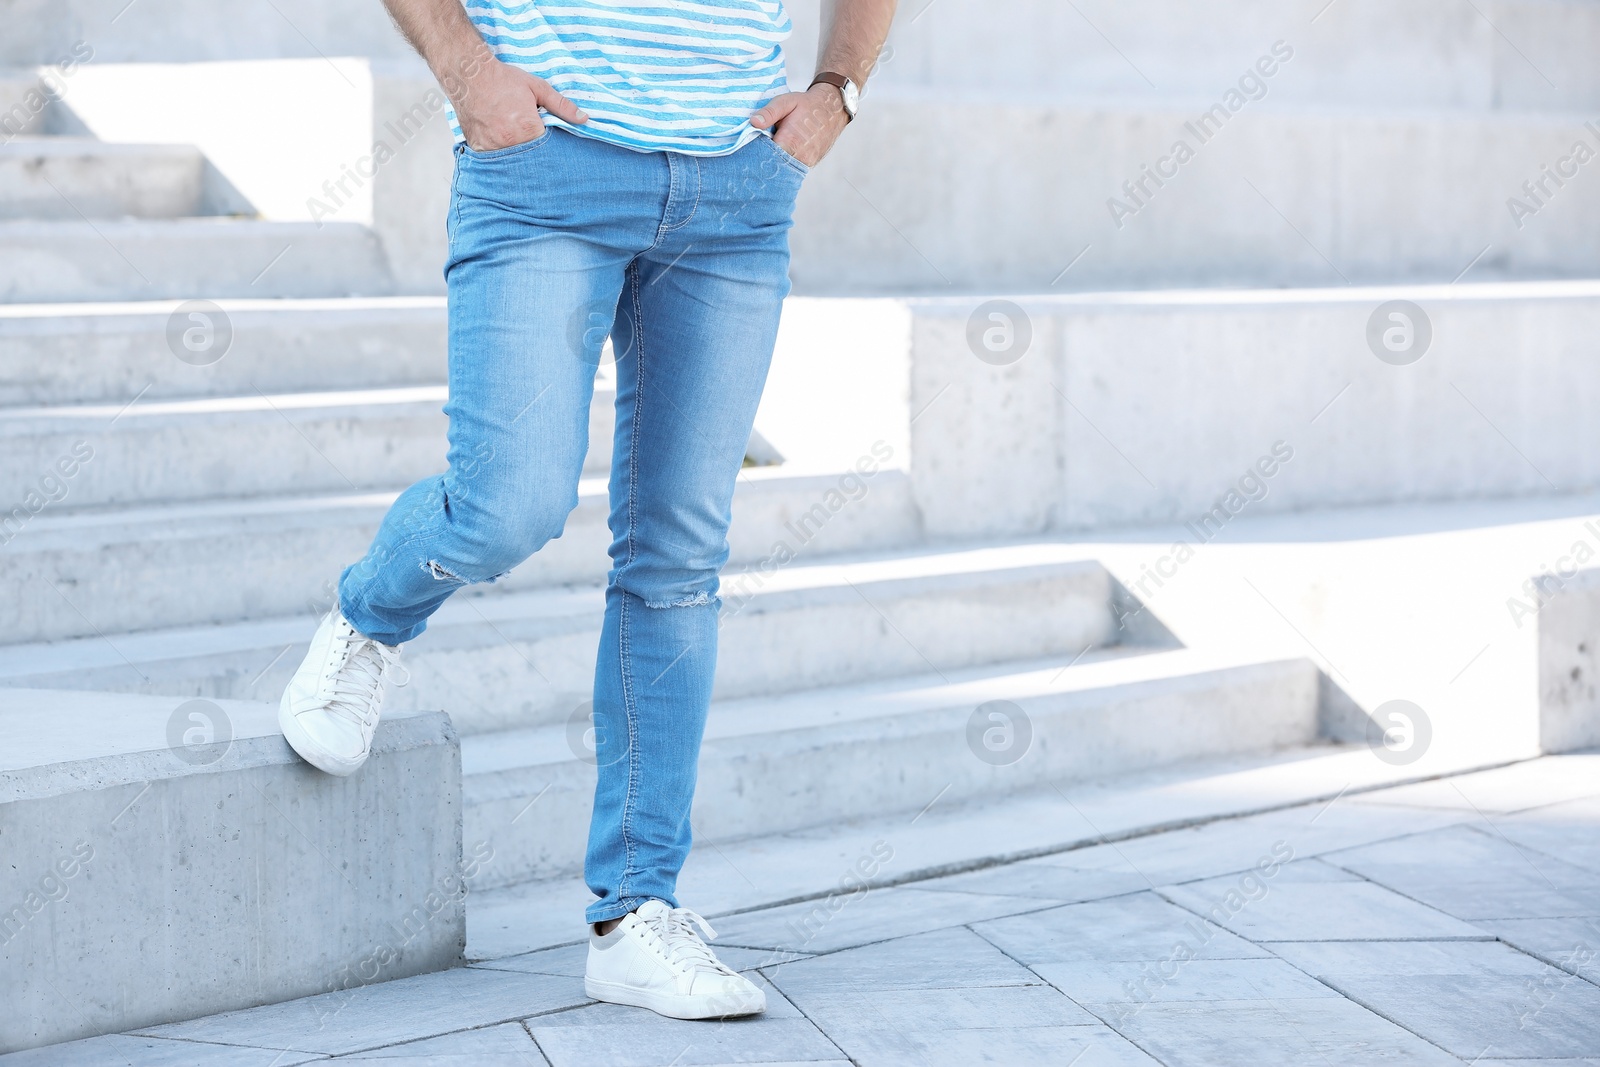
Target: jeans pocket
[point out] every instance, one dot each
(509, 150)
(783, 154)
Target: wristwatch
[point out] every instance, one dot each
(848, 90)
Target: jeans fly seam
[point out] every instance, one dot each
(699, 190)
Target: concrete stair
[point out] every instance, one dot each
(81, 178)
(145, 259)
(137, 568)
(526, 659)
(251, 445)
(821, 756)
(111, 352)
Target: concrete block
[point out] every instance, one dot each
(1569, 659)
(166, 860)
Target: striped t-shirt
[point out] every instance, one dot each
(674, 75)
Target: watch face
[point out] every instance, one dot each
(852, 97)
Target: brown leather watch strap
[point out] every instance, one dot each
(839, 82)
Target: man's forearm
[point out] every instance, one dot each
(446, 39)
(853, 32)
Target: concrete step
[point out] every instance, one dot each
(78, 177)
(776, 764)
(1493, 53)
(252, 445)
(115, 570)
(81, 353)
(1271, 194)
(134, 824)
(149, 259)
(527, 659)
(1195, 819)
(1370, 54)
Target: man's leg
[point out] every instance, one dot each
(697, 322)
(528, 258)
(520, 389)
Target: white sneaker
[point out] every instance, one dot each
(330, 710)
(654, 959)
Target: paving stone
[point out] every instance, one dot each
(1232, 845)
(1474, 873)
(517, 919)
(849, 1007)
(127, 1050)
(1569, 831)
(387, 1013)
(945, 959)
(1138, 928)
(1045, 882)
(1571, 944)
(846, 921)
(1264, 908)
(570, 959)
(1519, 787)
(507, 1044)
(896, 1045)
(530, 1058)
(1114, 990)
(617, 1036)
(1333, 1032)
(1472, 998)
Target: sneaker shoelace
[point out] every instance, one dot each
(358, 680)
(675, 929)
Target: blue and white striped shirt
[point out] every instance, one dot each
(674, 75)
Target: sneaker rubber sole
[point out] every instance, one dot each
(677, 1005)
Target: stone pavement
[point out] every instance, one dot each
(1455, 920)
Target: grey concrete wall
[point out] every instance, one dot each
(1143, 408)
(149, 877)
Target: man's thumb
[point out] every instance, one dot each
(775, 111)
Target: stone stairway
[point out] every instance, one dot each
(211, 502)
(913, 631)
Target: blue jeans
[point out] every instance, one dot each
(684, 261)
